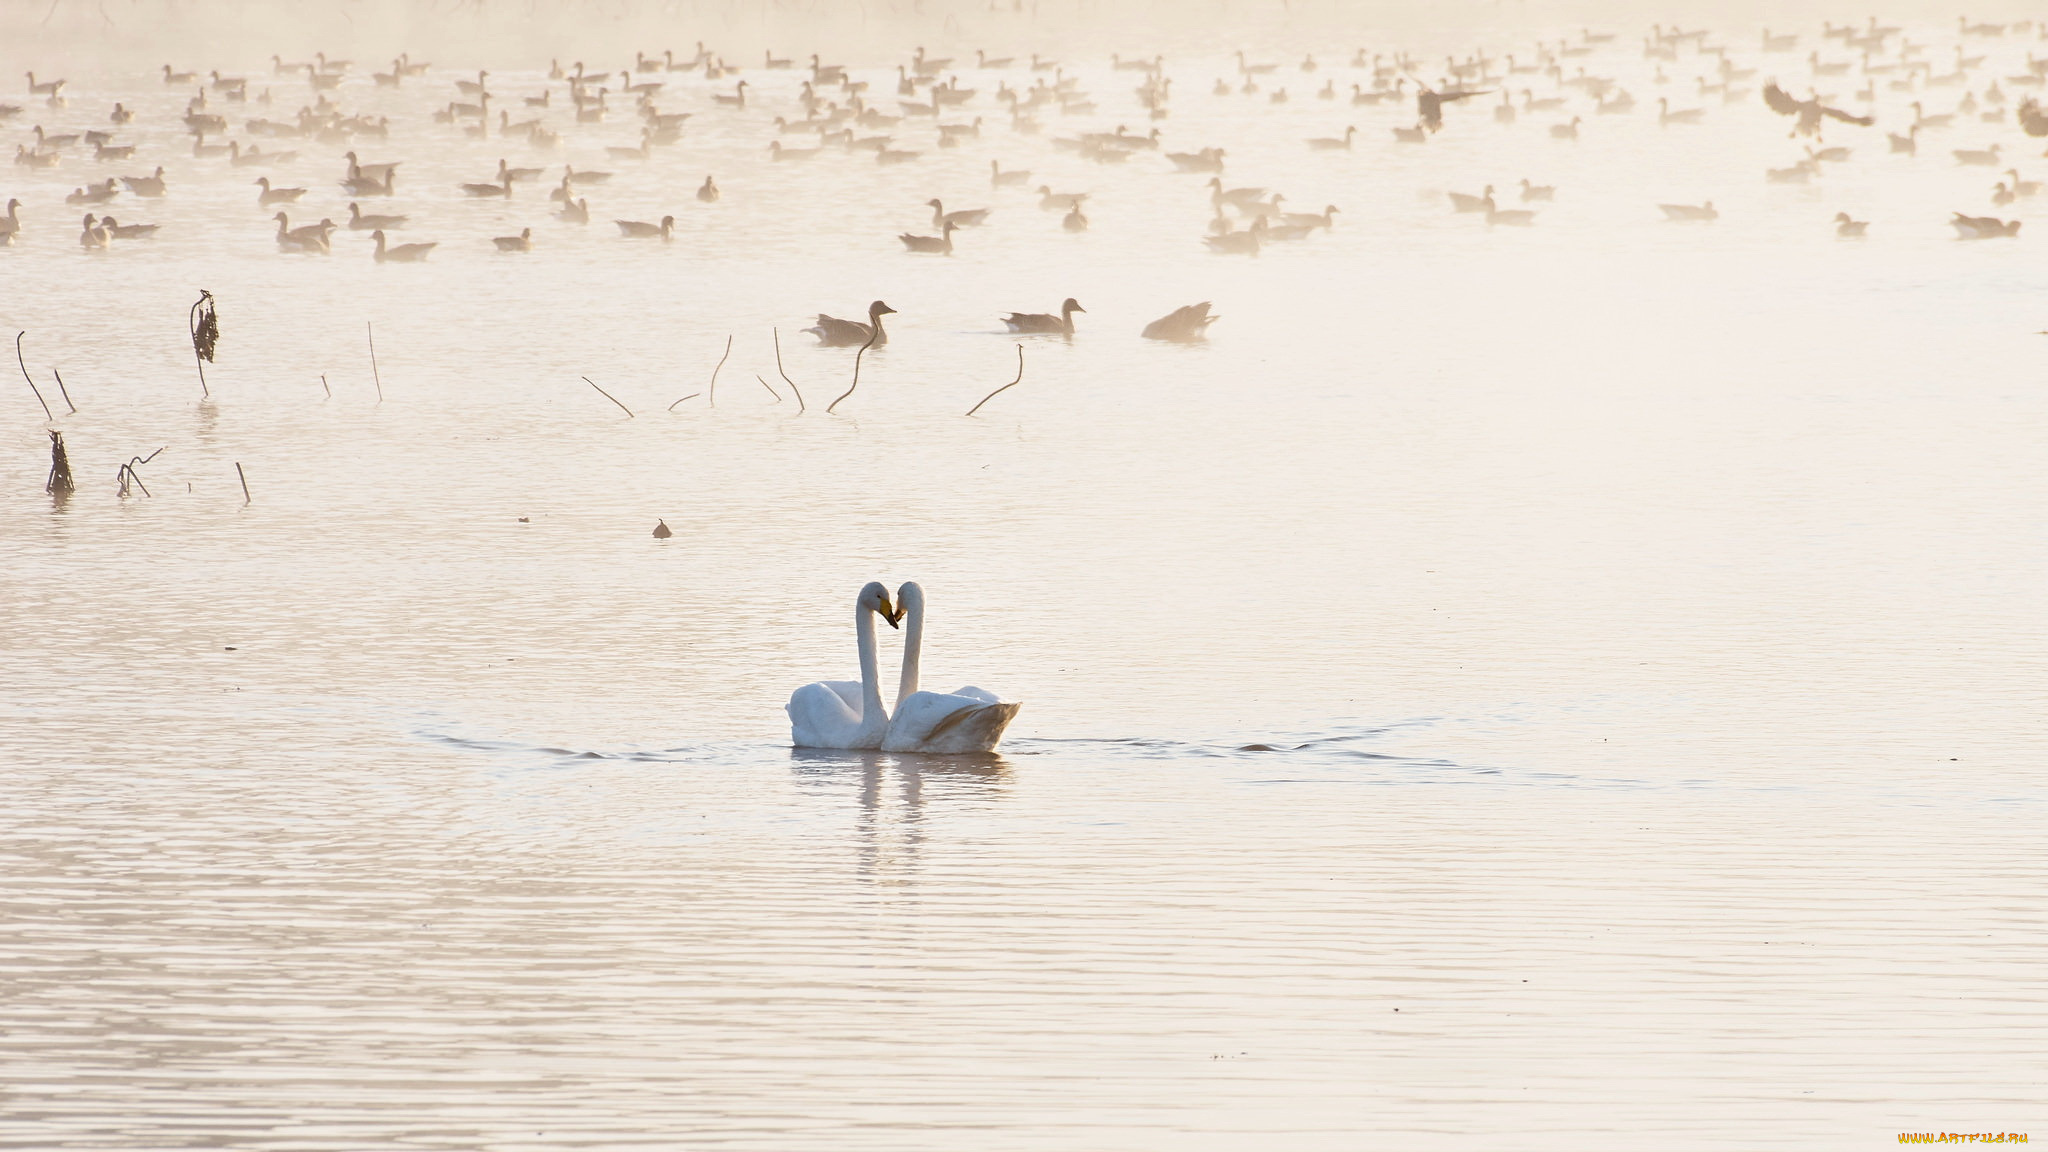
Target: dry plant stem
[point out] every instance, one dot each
(371, 329)
(64, 392)
(770, 388)
(1006, 387)
(59, 483)
(856, 368)
(324, 387)
(615, 399)
(245, 481)
(777, 333)
(24, 375)
(713, 394)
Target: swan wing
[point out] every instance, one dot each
(824, 714)
(970, 720)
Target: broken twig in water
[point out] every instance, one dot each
(374, 374)
(770, 388)
(1006, 387)
(205, 327)
(856, 367)
(64, 392)
(245, 481)
(59, 483)
(615, 399)
(777, 333)
(128, 475)
(25, 376)
(713, 393)
(324, 387)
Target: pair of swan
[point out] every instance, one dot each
(843, 714)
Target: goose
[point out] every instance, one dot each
(644, 231)
(403, 253)
(1466, 202)
(1074, 221)
(2001, 195)
(28, 159)
(121, 231)
(369, 186)
(1514, 217)
(2024, 189)
(965, 218)
(1417, 135)
(889, 156)
(1188, 325)
(833, 332)
(1847, 228)
(1333, 143)
(1568, 131)
(1983, 227)
(1325, 219)
(332, 67)
(982, 60)
(1504, 112)
(45, 140)
(645, 149)
(1922, 120)
(644, 89)
(772, 63)
(45, 88)
(270, 196)
(642, 62)
(95, 236)
(255, 156)
(502, 189)
(777, 152)
(1059, 201)
(1799, 173)
(1907, 143)
(374, 171)
(474, 87)
(1681, 213)
(1240, 198)
(575, 212)
(119, 115)
(391, 79)
(311, 238)
(1245, 243)
(520, 243)
(92, 194)
(572, 176)
(707, 192)
(1035, 322)
(228, 83)
(1666, 117)
(1041, 65)
(1977, 157)
(358, 222)
(516, 175)
(10, 224)
(940, 245)
(1532, 192)
(738, 99)
(106, 152)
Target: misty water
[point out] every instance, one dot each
(1575, 686)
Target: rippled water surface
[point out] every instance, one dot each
(1574, 687)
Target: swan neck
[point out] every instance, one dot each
(874, 720)
(913, 648)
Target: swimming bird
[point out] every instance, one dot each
(402, 253)
(708, 191)
(96, 193)
(1537, 191)
(520, 243)
(313, 238)
(1977, 157)
(358, 222)
(269, 195)
(645, 231)
(10, 224)
(1514, 217)
(574, 212)
(1036, 322)
(178, 79)
(1566, 131)
(95, 236)
(833, 332)
(502, 189)
(516, 175)
(1681, 213)
(150, 187)
(121, 231)
(366, 185)
(1245, 243)
(1015, 178)
(943, 723)
(1074, 221)
(940, 245)
(964, 218)
(1059, 201)
(1186, 325)
(1466, 202)
(1847, 228)
(1983, 227)
(1333, 143)
(44, 88)
(1419, 134)
(843, 714)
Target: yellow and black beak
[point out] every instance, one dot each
(891, 612)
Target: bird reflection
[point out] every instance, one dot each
(893, 792)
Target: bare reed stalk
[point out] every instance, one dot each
(25, 376)
(374, 375)
(127, 474)
(856, 366)
(713, 394)
(59, 484)
(324, 387)
(245, 482)
(1006, 387)
(615, 399)
(204, 324)
(770, 388)
(64, 392)
(777, 333)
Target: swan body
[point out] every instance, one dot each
(969, 720)
(843, 714)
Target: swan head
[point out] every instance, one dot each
(875, 598)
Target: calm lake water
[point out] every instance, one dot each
(1552, 688)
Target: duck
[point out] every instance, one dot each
(95, 236)
(403, 253)
(1186, 325)
(358, 222)
(121, 231)
(707, 192)
(1848, 228)
(940, 245)
(644, 231)
(574, 212)
(1037, 322)
(269, 195)
(833, 332)
(520, 243)
(964, 218)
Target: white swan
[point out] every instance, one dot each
(841, 713)
(970, 720)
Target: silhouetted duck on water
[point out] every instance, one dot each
(833, 332)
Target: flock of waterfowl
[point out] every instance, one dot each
(1839, 82)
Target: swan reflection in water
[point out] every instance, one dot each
(899, 795)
